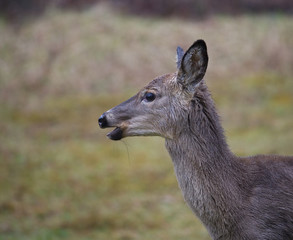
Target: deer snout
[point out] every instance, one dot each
(103, 123)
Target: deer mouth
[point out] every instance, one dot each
(116, 134)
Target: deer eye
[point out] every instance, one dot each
(149, 97)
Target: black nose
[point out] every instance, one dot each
(103, 121)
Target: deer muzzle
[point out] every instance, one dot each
(118, 117)
(106, 121)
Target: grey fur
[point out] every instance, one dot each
(179, 56)
(239, 198)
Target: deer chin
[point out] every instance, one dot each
(116, 134)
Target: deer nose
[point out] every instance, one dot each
(103, 121)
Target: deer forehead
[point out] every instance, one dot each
(165, 82)
(167, 85)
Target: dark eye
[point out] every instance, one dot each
(150, 97)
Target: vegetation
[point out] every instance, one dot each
(61, 178)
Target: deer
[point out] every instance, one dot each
(239, 198)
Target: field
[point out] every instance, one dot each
(61, 178)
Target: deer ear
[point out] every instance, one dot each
(193, 65)
(179, 56)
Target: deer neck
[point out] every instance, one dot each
(205, 168)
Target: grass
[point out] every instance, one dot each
(60, 178)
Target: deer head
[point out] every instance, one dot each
(161, 108)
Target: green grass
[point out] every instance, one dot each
(61, 178)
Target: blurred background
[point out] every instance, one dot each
(64, 62)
